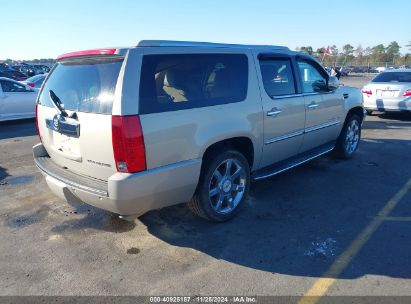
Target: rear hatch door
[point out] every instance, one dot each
(74, 114)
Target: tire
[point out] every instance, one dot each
(349, 139)
(220, 193)
(369, 112)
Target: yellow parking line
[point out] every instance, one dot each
(321, 286)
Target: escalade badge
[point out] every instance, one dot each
(56, 122)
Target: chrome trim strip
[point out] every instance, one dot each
(286, 96)
(301, 132)
(322, 126)
(311, 94)
(285, 136)
(317, 93)
(294, 165)
(298, 95)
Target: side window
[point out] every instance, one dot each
(277, 77)
(12, 87)
(312, 79)
(177, 82)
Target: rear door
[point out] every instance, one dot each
(284, 112)
(192, 97)
(324, 109)
(80, 141)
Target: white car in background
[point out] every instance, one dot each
(388, 91)
(17, 100)
(381, 69)
(35, 81)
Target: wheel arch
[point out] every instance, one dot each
(356, 110)
(242, 144)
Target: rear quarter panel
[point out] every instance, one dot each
(176, 136)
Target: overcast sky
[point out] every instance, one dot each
(47, 28)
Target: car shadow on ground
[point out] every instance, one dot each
(388, 121)
(17, 128)
(93, 218)
(401, 116)
(3, 174)
(299, 222)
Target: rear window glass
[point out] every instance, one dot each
(393, 77)
(84, 85)
(177, 82)
(34, 78)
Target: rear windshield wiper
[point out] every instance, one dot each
(58, 103)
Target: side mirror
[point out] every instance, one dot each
(333, 83)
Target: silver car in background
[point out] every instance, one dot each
(388, 91)
(35, 81)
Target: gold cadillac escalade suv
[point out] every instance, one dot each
(134, 129)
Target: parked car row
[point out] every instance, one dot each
(346, 70)
(12, 74)
(31, 69)
(22, 70)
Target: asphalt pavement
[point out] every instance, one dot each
(329, 227)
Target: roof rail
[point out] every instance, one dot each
(169, 43)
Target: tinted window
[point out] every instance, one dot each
(393, 77)
(176, 82)
(311, 77)
(84, 85)
(12, 87)
(277, 77)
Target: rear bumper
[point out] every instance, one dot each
(122, 193)
(385, 105)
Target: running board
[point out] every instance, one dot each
(292, 162)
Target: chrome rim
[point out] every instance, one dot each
(352, 137)
(227, 186)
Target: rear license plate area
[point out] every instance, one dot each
(61, 125)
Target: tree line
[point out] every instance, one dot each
(369, 56)
(330, 56)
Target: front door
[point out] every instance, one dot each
(323, 107)
(284, 115)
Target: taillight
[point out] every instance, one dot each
(31, 84)
(368, 92)
(37, 123)
(407, 93)
(128, 144)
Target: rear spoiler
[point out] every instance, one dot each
(88, 53)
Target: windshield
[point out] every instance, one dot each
(393, 77)
(83, 84)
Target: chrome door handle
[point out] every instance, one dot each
(274, 112)
(312, 105)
